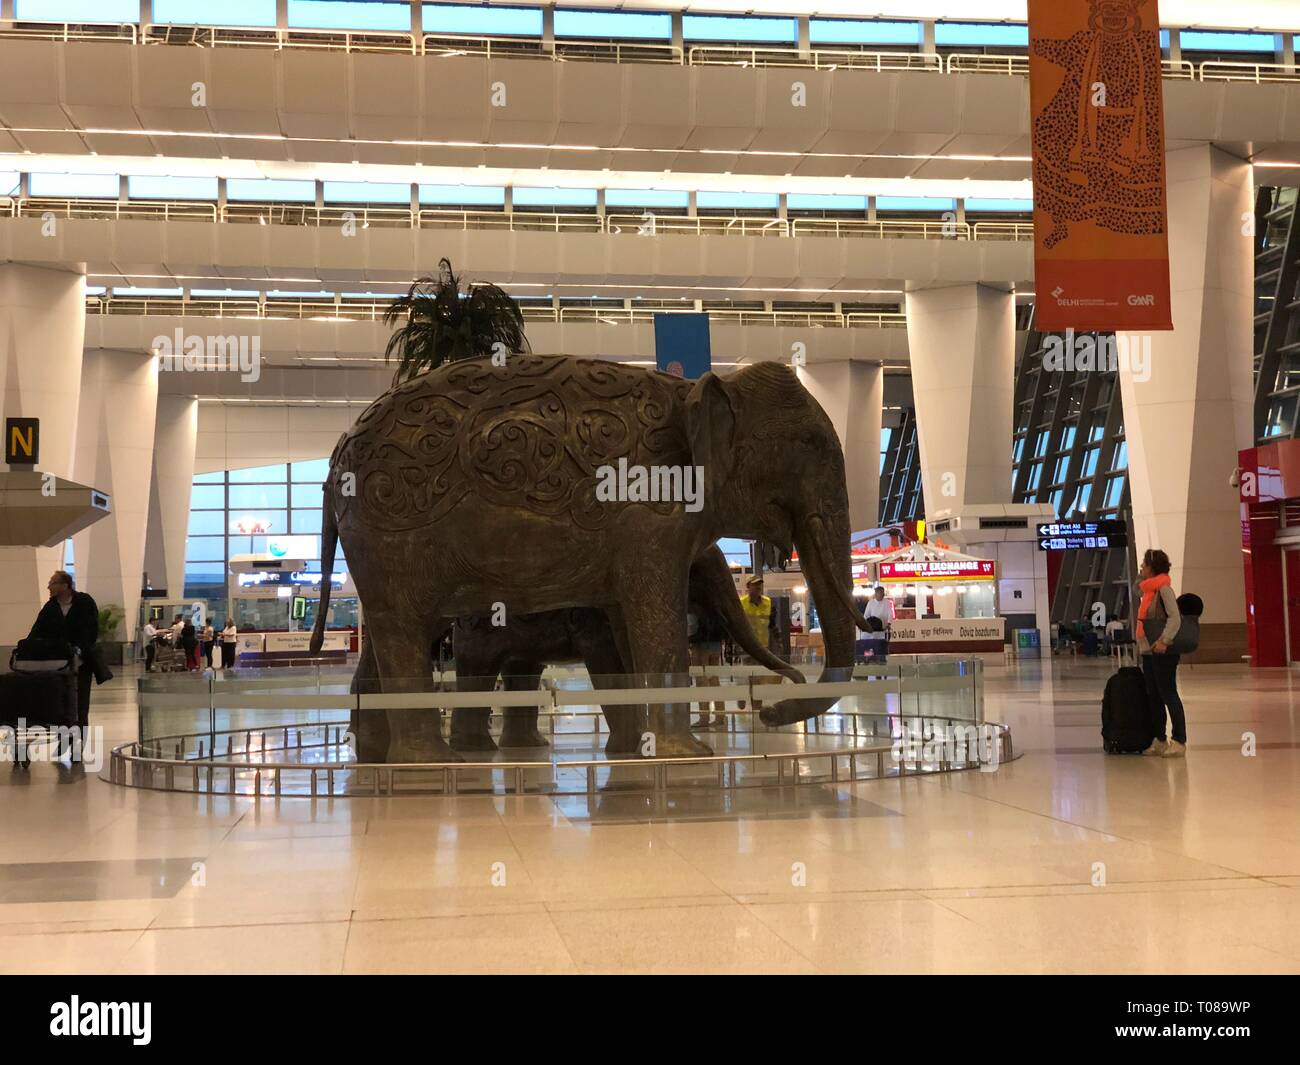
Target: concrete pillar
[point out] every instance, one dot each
(928, 47)
(805, 37)
(115, 450)
(692, 204)
(175, 433)
(1189, 411)
(679, 41)
(42, 332)
(1175, 46)
(852, 395)
(962, 340)
(548, 28)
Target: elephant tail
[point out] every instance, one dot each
(329, 539)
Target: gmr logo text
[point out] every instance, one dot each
(1141, 301)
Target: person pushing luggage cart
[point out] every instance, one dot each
(72, 617)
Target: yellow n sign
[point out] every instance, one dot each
(22, 441)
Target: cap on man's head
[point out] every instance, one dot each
(757, 578)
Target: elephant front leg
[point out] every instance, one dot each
(656, 635)
(608, 663)
(406, 667)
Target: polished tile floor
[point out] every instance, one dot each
(1062, 861)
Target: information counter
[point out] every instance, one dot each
(258, 642)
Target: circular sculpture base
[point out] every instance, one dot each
(317, 759)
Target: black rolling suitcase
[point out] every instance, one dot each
(42, 687)
(1125, 717)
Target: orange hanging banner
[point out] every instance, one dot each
(1101, 248)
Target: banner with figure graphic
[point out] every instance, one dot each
(1101, 247)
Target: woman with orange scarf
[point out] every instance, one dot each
(1158, 621)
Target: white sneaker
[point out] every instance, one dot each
(1156, 750)
(1174, 749)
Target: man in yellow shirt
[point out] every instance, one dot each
(758, 611)
(761, 615)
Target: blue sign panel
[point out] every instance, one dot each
(682, 345)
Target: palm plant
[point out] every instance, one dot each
(110, 617)
(439, 323)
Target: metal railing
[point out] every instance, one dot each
(363, 216)
(28, 29)
(595, 50)
(345, 310)
(234, 736)
(515, 221)
(651, 224)
(1222, 70)
(279, 39)
(386, 216)
(816, 59)
(117, 210)
(332, 776)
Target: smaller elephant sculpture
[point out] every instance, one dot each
(519, 652)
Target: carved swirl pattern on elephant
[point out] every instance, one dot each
(532, 435)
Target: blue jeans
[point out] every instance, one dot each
(1161, 675)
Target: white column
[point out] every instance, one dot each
(1188, 412)
(115, 449)
(176, 432)
(962, 340)
(851, 394)
(42, 331)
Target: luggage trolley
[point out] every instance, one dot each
(39, 693)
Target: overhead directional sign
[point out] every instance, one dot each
(1082, 535)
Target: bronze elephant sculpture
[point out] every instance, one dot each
(477, 486)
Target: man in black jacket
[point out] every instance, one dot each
(73, 617)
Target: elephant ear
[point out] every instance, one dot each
(711, 430)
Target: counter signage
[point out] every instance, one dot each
(963, 569)
(933, 630)
(297, 577)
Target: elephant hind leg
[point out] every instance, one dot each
(405, 660)
(369, 728)
(471, 725)
(520, 728)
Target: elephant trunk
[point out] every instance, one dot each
(824, 557)
(329, 541)
(710, 574)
